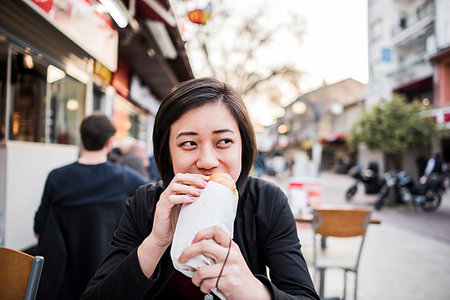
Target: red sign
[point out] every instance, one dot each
(304, 194)
(46, 5)
(446, 117)
(121, 79)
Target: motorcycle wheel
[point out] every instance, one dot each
(432, 202)
(350, 193)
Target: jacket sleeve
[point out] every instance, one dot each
(119, 276)
(289, 273)
(41, 215)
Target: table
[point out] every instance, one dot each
(307, 218)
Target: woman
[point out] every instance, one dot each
(203, 127)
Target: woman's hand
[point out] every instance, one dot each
(183, 189)
(236, 280)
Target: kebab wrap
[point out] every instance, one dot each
(216, 205)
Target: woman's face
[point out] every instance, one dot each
(206, 140)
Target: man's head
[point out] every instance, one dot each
(95, 131)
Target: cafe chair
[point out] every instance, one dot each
(345, 226)
(19, 274)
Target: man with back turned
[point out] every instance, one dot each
(80, 209)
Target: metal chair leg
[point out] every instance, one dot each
(345, 284)
(322, 282)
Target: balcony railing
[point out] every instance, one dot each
(413, 21)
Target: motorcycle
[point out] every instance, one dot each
(373, 183)
(404, 190)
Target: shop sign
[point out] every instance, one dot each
(120, 79)
(447, 117)
(142, 95)
(440, 115)
(84, 25)
(46, 5)
(102, 72)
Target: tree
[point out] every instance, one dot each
(394, 127)
(247, 48)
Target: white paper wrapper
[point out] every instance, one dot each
(216, 205)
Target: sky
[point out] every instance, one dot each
(335, 42)
(333, 47)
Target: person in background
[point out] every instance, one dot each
(134, 156)
(153, 169)
(260, 164)
(202, 127)
(79, 211)
(435, 165)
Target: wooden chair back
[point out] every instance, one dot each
(19, 274)
(343, 222)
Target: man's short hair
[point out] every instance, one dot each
(95, 131)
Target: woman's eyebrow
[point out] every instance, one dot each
(189, 133)
(222, 131)
(186, 133)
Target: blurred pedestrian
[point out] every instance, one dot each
(134, 156)
(202, 127)
(153, 169)
(260, 164)
(80, 209)
(435, 165)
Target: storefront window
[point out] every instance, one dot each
(28, 90)
(31, 117)
(66, 109)
(3, 74)
(99, 98)
(129, 120)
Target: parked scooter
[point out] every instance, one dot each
(404, 190)
(373, 183)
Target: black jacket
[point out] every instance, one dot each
(264, 229)
(73, 244)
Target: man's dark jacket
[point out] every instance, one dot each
(71, 262)
(80, 208)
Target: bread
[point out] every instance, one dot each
(226, 180)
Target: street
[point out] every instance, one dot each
(434, 225)
(405, 257)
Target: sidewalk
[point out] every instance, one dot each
(395, 264)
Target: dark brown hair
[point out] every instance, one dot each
(192, 94)
(95, 131)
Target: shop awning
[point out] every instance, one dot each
(334, 137)
(140, 49)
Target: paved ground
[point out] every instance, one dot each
(406, 257)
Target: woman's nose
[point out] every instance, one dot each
(207, 159)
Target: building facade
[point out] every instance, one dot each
(408, 55)
(60, 61)
(313, 131)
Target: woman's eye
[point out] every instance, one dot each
(225, 142)
(188, 144)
